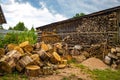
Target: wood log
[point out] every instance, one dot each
(32, 70)
(23, 62)
(44, 56)
(23, 44)
(28, 48)
(36, 60)
(37, 46)
(61, 66)
(44, 46)
(11, 47)
(55, 58)
(19, 49)
(8, 62)
(7, 66)
(47, 70)
(2, 52)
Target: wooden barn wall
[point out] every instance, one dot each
(88, 30)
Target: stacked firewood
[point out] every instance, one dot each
(33, 60)
(113, 57)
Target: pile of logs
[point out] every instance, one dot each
(33, 60)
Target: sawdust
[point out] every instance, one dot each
(94, 63)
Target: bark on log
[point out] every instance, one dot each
(23, 62)
(32, 70)
(23, 44)
(8, 62)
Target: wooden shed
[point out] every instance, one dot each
(2, 17)
(98, 27)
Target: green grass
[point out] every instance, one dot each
(106, 74)
(14, 76)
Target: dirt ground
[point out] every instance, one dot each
(71, 73)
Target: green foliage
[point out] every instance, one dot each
(14, 76)
(32, 29)
(18, 37)
(78, 15)
(10, 28)
(71, 61)
(20, 26)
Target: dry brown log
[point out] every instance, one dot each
(47, 70)
(11, 47)
(44, 46)
(7, 66)
(23, 62)
(8, 62)
(36, 60)
(28, 48)
(44, 56)
(32, 70)
(2, 52)
(37, 46)
(61, 66)
(55, 58)
(23, 44)
(19, 49)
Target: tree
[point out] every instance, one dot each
(10, 28)
(20, 26)
(32, 29)
(78, 15)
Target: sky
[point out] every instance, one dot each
(36, 13)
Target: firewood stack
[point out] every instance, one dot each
(33, 60)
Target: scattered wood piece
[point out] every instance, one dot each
(23, 44)
(32, 70)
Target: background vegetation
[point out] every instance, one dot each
(18, 34)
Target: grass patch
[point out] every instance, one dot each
(14, 76)
(106, 74)
(71, 61)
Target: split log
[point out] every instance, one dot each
(55, 58)
(8, 65)
(23, 44)
(2, 52)
(23, 62)
(36, 60)
(44, 56)
(11, 47)
(61, 66)
(118, 49)
(8, 62)
(19, 49)
(37, 46)
(44, 46)
(32, 70)
(47, 70)
(28, 48)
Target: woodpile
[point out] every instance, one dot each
(113, 58)
(33, 60)
(43, 59)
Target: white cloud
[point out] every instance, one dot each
(28, 14)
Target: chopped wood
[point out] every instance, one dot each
(23, 44)
(32, 70)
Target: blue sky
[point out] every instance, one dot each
(41, 12)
